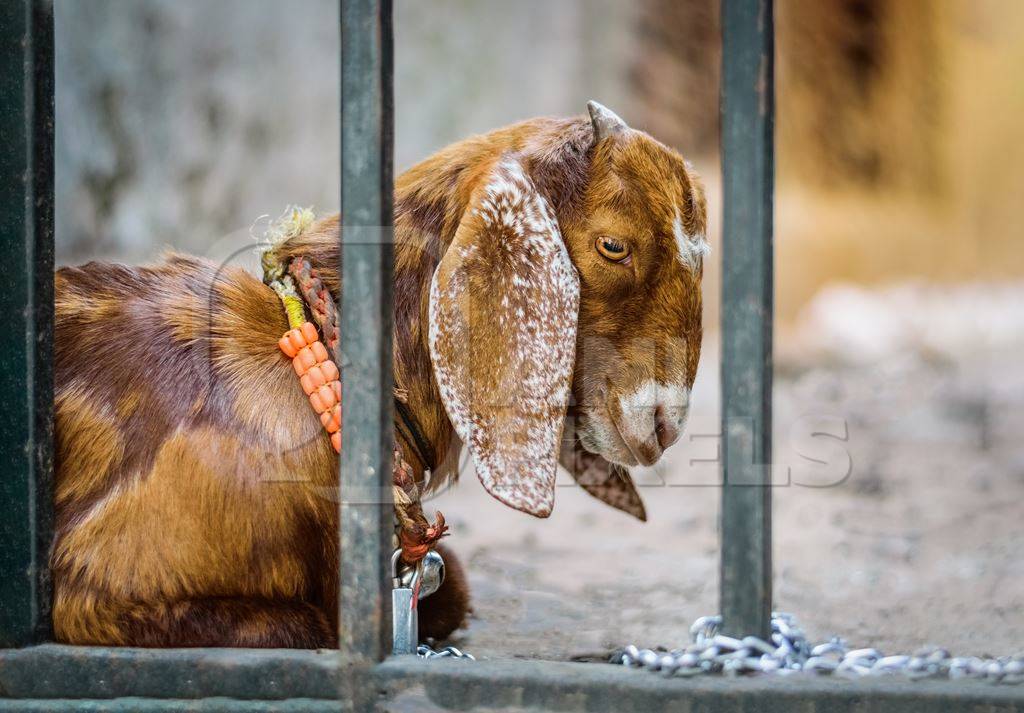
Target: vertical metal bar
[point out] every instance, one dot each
(367, 259)
(748, 165)
(26, 274)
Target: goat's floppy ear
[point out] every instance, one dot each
(503, 308)
(606, 481)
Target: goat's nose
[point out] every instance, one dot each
(651, 420)
(666, 428)
(654, 433)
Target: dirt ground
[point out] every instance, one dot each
(906, 532)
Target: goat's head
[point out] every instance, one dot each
(639, 248)
(601, 305)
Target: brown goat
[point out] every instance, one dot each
(555, 260)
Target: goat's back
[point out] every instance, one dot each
(188, 463)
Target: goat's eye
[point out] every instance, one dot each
(612, 249)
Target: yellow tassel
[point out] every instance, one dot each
(292, 223)
(294, 309)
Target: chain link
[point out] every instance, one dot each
(790, 652)
(448, 652)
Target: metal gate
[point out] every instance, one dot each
(36, 675)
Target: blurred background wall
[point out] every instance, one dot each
(899, 272)
(182, 121)
(899, 151)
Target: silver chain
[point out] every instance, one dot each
(789, 652)
(448, 652)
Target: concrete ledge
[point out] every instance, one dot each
(57, 671)
(66, 678)
(178, 705)
(449, 684)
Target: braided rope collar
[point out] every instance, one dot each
(298, 285)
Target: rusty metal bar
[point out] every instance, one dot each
(26, 342)
(748, 164)
(366, 268)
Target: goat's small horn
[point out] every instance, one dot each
(606, 122)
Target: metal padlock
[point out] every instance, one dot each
(431, 575)
(404, 617)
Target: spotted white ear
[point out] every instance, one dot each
(503, 308)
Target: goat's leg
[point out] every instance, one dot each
(230, 621)
(445, 610)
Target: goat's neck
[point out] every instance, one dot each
(430, 200)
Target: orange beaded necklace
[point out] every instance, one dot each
(298, 286)
(318, 375)
(312, 361)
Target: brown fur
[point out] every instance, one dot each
(194, 485)
(180, 434)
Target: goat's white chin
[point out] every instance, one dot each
(599, 434)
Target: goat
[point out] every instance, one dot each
(548, 262)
